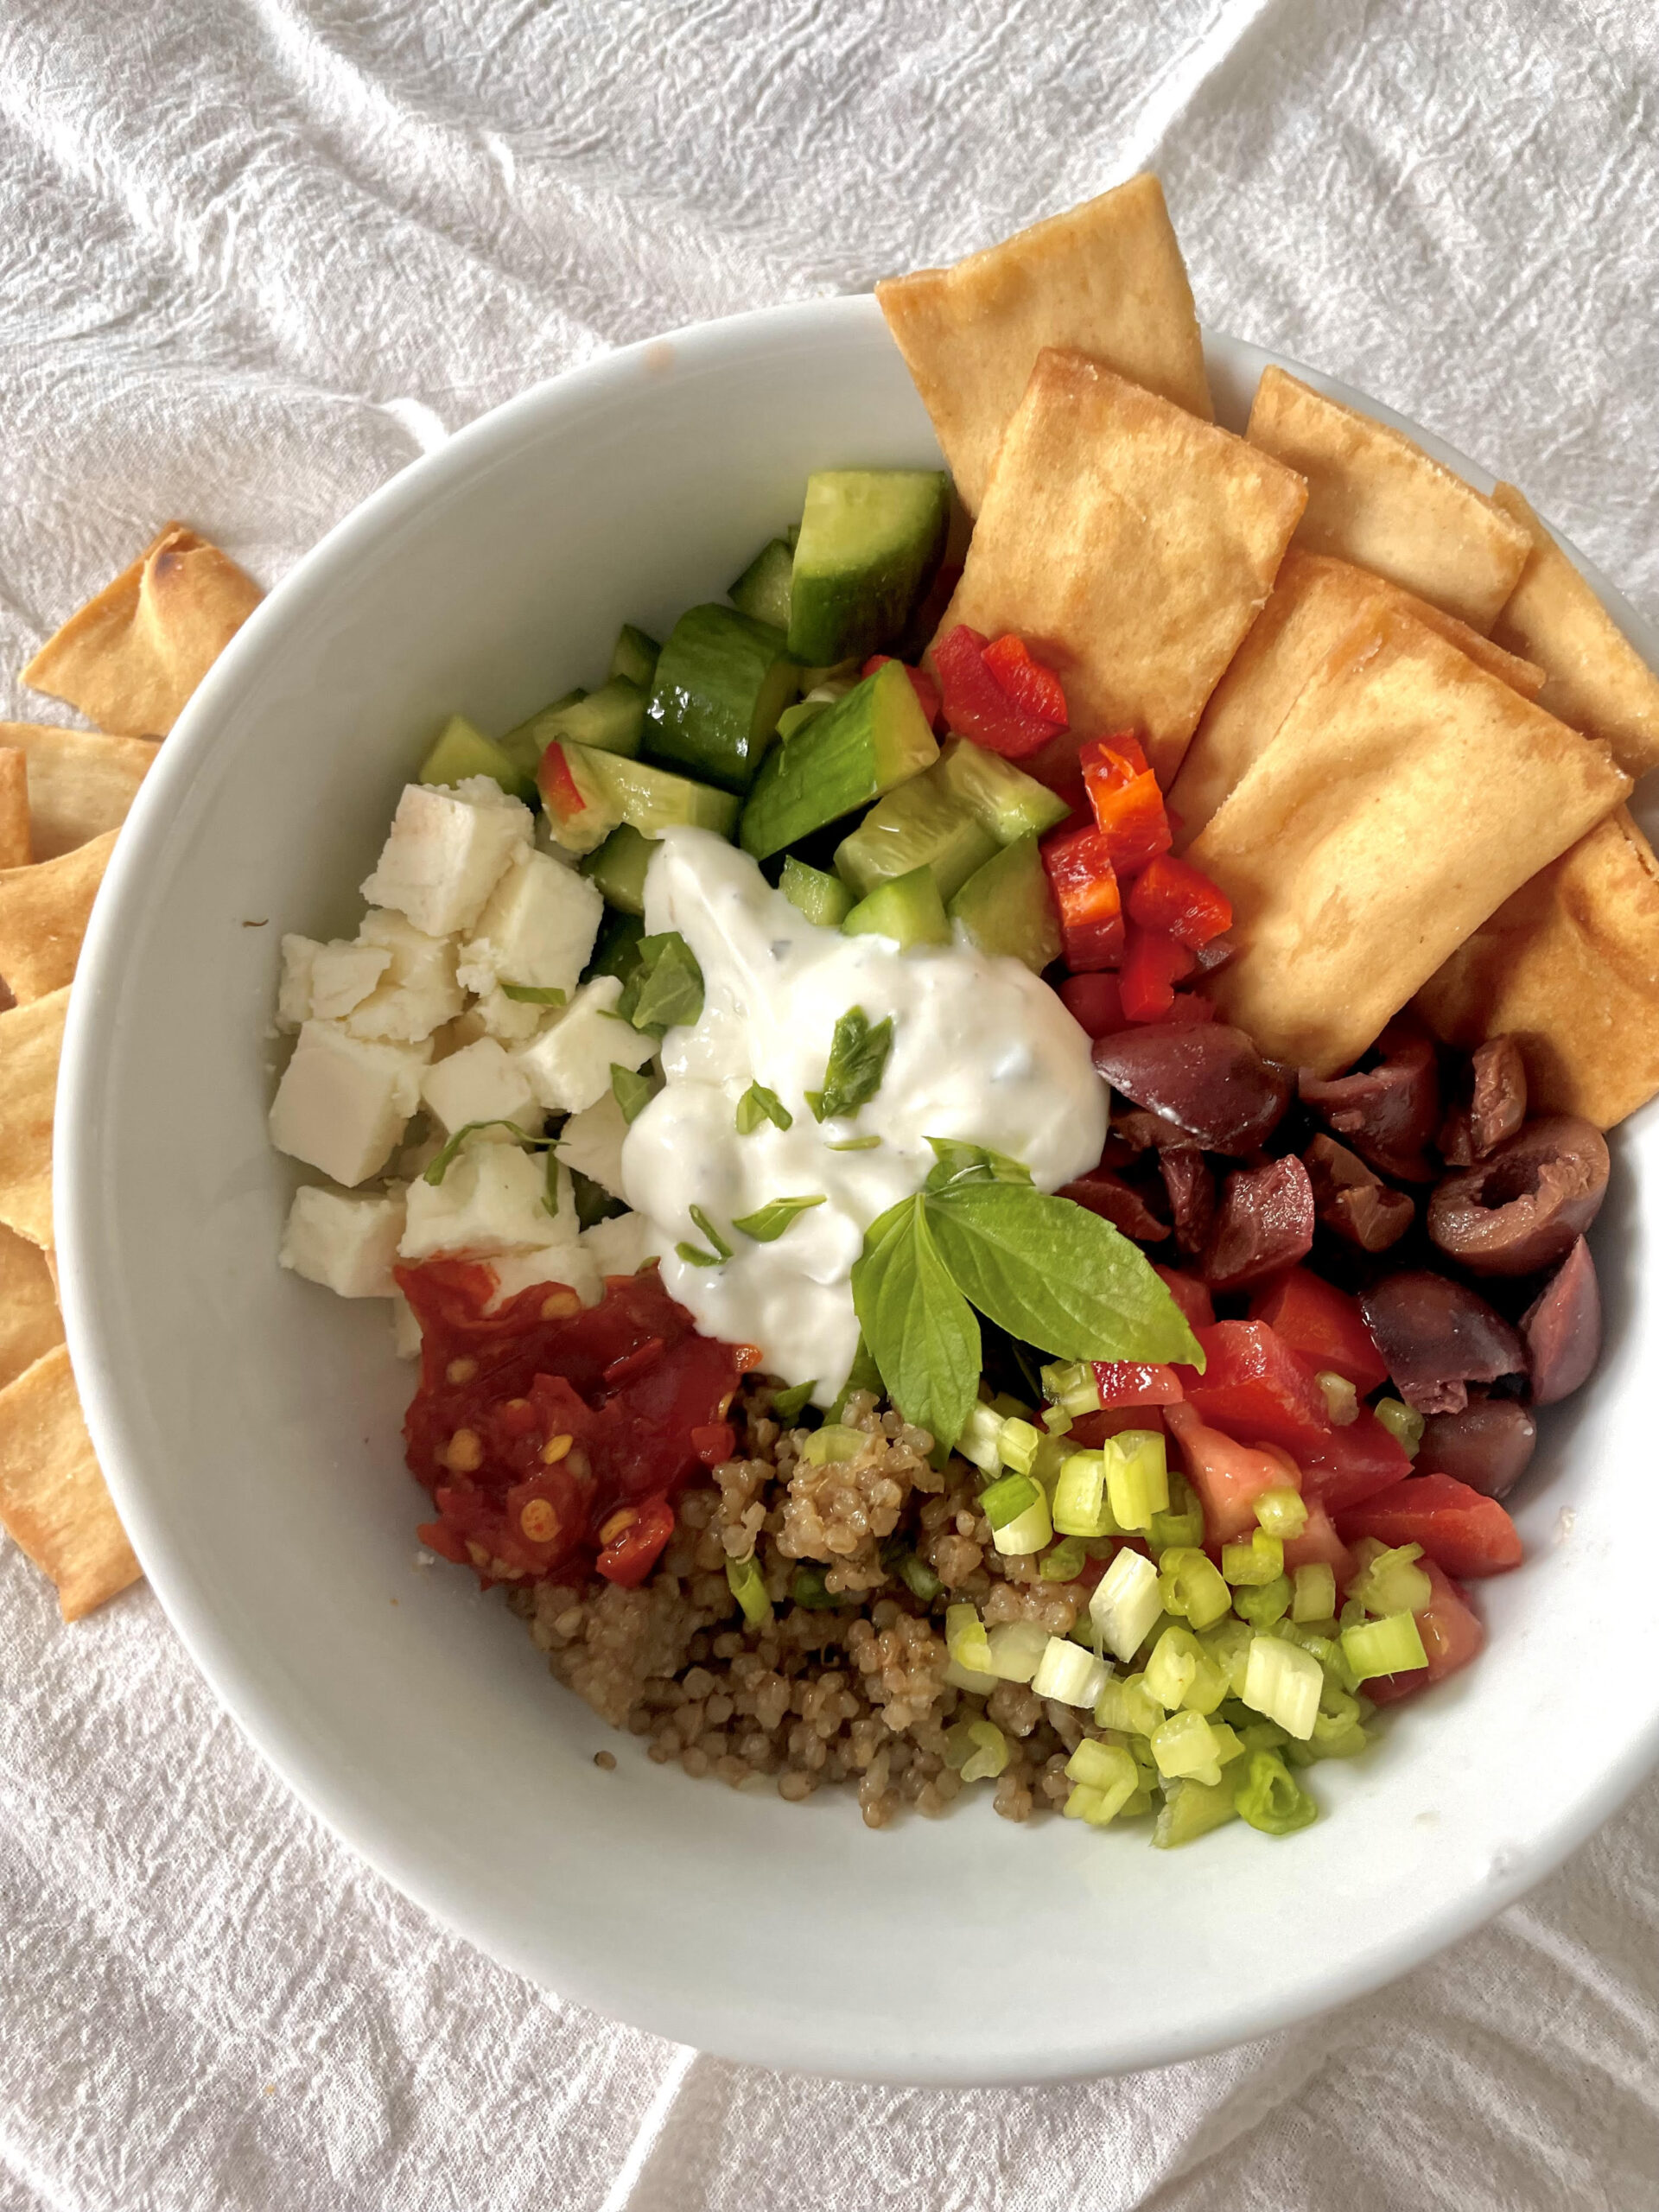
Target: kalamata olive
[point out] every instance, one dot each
(1216, 954)
(1438, 1337)
(1525, 1206)
(1191, 1191)
(1561, 1328)
(1105, 1192)
(1138, 1131)
(1388, 1113)
(1494, 1107)
(1264, 1222)
(1353, 1202)
(1487, 1445)
(1207, 1078)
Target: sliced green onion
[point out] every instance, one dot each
(1191, 1587)
(1191, 1810)
(1341, 1399)
(1281, 1513)
(1270, 1798)
(1394, 1646)
(1069, 1674)
(970, 1679)
(1126, 1603)
(1262, 1559)
(966, 1641)
(747, 1585)
(1314, 1592)
(977, 1749)
(833, 1441)
(1065, 1562)
(1080, 1507)
(1125, 1704)
(1181, 1673)
(1137, 1477)
(1182, 1521)
(1016, 1650)
(807, 1586)
(1230, 1745)
(1107, 1770)
(1263, 1736)
(980, 1438)
(1017, 1445)
(1405, 1425)
(918, 1577)
(1264, 1603)
(1185, 1745)
(1007, 1498)
(1227, 1647)
(1285, 1683)
(1070, 1384)
(1391, 1582)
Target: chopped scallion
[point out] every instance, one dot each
(1080, 1507)
(1314, 1588)
(966, 1641)
(1181, 1673)
(807, 1586)
(1281, 1513)
(1185, 1745)
(1125, 1703)
(1137, 1477)
(1271, 1799)
(977, 1749)
(1191, 1810)
(1191, 1587)
(748, 1585)
(981, 1437)
(1110, 1773)
(1402, 1423)
(1264, 1603)
(1182, 1521)
(1126, 1603)
(1072, 1385)
(1261, 1560)
(1394, 1646)
(1341, 1399)
(833, 1441)
(1392, 1582)
(1019, 1446)
(1069, 1674)
(1285, 1683)
(1016, 1650)
(1065, 1562)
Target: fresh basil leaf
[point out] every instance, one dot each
(702, 1221)
(694, 1258)
(666, 988)
(550, 1184)
(789, 1405)
(594, 1202)
(759, 1104)
(616, 949)
(767, 1223)
(858, 1061)
(919, 1327)
(436, 1169)
(532, 994)
(852, 1144)
(957, 1162)
(1056, 1275)
(633, 1088)
(862, 1374)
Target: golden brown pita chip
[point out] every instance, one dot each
(130, 658)
(1404, 797)
(1596, 679)
(54, 1503)
(16, 848)
(80, 782)
(1375, 498)
(31, 1043)
(1569, 967)
(1130, 544)
(30, 1323)
(1107, 279)
(44, 910)
(1315, 602)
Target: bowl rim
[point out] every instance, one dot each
(234, 1680)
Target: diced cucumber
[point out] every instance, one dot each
(721, 683)
(1008, 802)
(525, 744)
(796, 718)
(610, 719)
(619, 868)
(762, 590)
(1007, 906)
(907, 908)
(462, 751)
(581, 812)
(870, 539)
(853, 751)
(616, 951)
(634, 655)
(921, 822)
(654, 799)
(823, 898)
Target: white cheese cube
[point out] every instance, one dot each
(510, 1020)
(294, 992)
(481, 1083)
(417, 992)
(342, 1101)
(447, 852)
(566, 1264)
(342, 975)
(346, 1242)
(537, 928)
(570, 1063)
(592, 1141)
(405, 1329)
(617, 1247)
(493, 1198)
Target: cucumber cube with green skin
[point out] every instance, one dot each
(610, 719)
(870, 540)
(921, 823)
(634, 655)
(763, 588)
(654, 799)
(618, 867)
(1009, 803)
(1007, 906)
(858, 748)
(525, 745)
(462, 751)
(722, 682)
(798, 716)
(908, 907)
(823, 898)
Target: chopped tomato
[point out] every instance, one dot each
(1190, 1294)
(1125, 1383)
(1177, 899)
(1089, 1432)
(1095, 1003)
(927, 691)
(977, 705)
(1035, 689)
(1462, 1531)
(1320, 1545)
(1084, 885)
(1257, 1388)
(560, 793)
(1354, 1463)
(714, 1442)
(1452, 1634)
(1314, 1318)
(1127, 804)
(631, 1540)
(1228, 1477)
(1152, 968)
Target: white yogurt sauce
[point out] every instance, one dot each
(982, 1050)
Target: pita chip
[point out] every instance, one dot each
(1131, 546)
(130, 658)
(16, 849)
(54, 1503)
(1315, 602)
(1375, 498)
(1595, 678)
(1406, 795)
(1569, 967)
(80, 782)
(44, 910)
(31, 1044)
(30, 1323)
(1106, 279)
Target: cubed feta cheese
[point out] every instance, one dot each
(493, 1198)
(570, 1063)
(556, 1263)
(481, 1083)
(592, 1141)
(510, 1020)
(537, 928)
(342, 975)
(294, 992)
(418, 992)
(617, 1247)
(344, 1242)
(447, 852)
(405, 1329)
(342, 1101)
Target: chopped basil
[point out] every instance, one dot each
(789, 1405)
(437, 1169)
(666, 988)
(852, 1144)
(633, 1088)
(767, 1223)
(532, 994)
(955, 1162)
(594, 1202)
(858, 1061)
(759, 1104)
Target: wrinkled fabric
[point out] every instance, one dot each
(255, 256)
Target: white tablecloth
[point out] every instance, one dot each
(256, 254)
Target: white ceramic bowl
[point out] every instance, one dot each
(249, 1423)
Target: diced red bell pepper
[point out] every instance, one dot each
(1180, 902)
(1035, 689)
(1084, 884)
(1188, 1007)
(1151, 967)
(632, 1540)
(1452, 1634)
(1127, 804)
(561, 793)
(1256, 1389)
(1095, 1003)
(1228, 1476)
(714, 1442)
(1462, 1531)
(1125, 1382)
(927, 691)
(1354, 1463)
(1314, 1318)
(976, 704)
(1190, 1294)
(1320, 1545)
